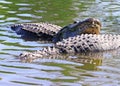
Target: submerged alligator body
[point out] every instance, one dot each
(75, 38)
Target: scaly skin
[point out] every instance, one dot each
(46, 30)
(80, 37)
(41, 29)
(79, 58)
(88, 26)
(79, 44)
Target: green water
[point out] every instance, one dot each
(92, 70)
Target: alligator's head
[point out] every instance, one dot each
(88, 26)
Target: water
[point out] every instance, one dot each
(79, 70)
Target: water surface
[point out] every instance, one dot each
(80, 70)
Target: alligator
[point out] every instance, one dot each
(56, 33)
(79, 37)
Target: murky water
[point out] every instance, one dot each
(81, 70)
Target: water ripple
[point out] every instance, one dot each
(77, 71)
(5, 2)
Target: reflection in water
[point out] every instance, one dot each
(75, 70)
(90, 60)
